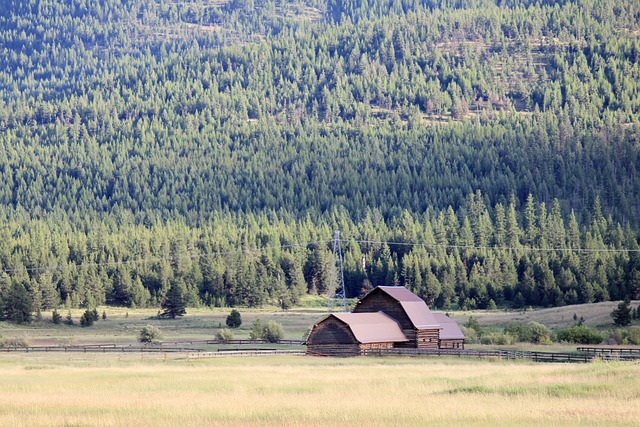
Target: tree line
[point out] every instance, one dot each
(473, 258)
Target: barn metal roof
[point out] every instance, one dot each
(450, 329)
(413, 305)
(372, 327)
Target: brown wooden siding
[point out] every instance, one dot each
(344, 350)
(380, 301)
(427, 338)
(340, 350)
(331, 331)
(453, 343)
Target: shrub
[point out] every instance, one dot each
(532, 332)
(472, 323)
(234, 320)
(518, 331)
(470, 334)
(14, 342)
(539, 333)
(224, 335)
(629, 335)
(580, 335)
(150, 334)
(256, 330)
(497, 338)
(272, 331)
(69, 319)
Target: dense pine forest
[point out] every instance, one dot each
(480, 152)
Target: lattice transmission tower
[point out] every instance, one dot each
(337, 294)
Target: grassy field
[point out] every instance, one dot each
(123, 325)
(99, 390)
(77, 389)
(597, 315)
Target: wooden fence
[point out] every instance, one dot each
(165, 347)
(244, 353)
(535, 356)
(586, 354)
(611, 350)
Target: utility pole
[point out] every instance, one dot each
(337, 293)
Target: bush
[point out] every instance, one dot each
(539, 334)
(629, 335)
(256, 330)
(150, 334)
(234, 320)
(532, 332)
(272, 331)
(497, 338)
(224, 335)
(470, 334)
(14, 342)
(518, 331)
(580, 335)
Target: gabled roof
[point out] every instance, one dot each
(413, 305)
(450, 329)
(372, 327)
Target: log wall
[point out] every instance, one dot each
(331, 331)
(457, 344)
(427, 338)
(380, 301)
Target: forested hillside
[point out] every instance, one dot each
(151, 142)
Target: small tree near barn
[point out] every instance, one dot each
(174, 304)
(234, 320)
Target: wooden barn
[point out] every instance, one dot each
(416, 320)
(450, 335)
(347, 334)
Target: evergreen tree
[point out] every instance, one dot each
(622, 314)
(173, 304)
(18, 306)
(234, 319)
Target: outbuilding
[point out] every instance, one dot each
(450, 335)
(348, 334)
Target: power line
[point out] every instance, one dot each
(499, 248)
(297, 245)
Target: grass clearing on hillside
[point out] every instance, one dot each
(292, 391)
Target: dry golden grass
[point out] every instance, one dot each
(302, 391)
